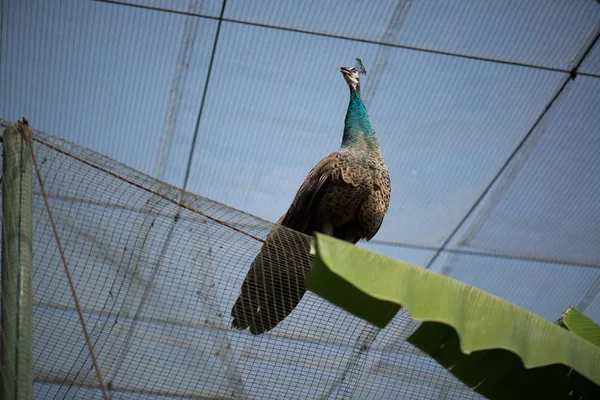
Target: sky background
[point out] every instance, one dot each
(453, 97)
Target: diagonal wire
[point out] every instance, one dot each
(210, 67)
(514, 152)
(88, 340)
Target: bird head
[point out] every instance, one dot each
(352, 74)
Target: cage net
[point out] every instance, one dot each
(157, 271)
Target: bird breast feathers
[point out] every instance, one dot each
(353, 175)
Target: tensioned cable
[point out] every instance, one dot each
(486, 254)
(513, 154)
(572, 72)
(205, 91)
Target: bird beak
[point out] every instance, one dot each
(345, 70)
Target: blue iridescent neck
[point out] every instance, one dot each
(357, 122)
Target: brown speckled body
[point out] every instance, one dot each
(346, 195)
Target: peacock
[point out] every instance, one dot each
(346, 195)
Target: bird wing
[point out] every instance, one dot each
(275, 282)
(300, 213)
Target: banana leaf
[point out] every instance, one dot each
(575, 321)
(500, 350)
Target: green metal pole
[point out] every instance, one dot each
(17, 264)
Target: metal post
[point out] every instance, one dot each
(17, 265)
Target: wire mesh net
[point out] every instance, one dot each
(157, 271)
(486, 114)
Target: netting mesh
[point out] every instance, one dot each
(157, 271)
